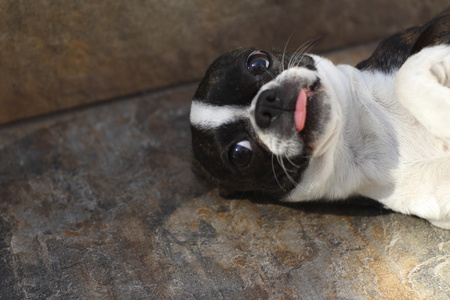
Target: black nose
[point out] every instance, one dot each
(268, 108)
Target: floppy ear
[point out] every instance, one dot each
(230, 194)
(206, 181)
(201, 175)
(197, 169)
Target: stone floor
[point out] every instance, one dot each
(100, 203)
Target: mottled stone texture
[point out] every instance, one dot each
(60, 54)
(101, 203)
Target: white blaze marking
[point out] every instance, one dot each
(208, 116)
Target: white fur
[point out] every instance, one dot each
(208, 116)
(423, 87)
(377, 148)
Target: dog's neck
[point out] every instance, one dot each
(369, 138)
(362, 150)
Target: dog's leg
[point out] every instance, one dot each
(422, 86)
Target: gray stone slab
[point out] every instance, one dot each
(101, 203)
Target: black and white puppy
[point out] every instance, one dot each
(300, 128)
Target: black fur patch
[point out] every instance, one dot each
(392, 52)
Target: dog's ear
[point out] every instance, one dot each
(230, 194)
(206, 181)
(197, 169)
(201, 175)
(233, 195)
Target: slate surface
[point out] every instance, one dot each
(100, 203)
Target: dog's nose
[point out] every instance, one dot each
(268, 108)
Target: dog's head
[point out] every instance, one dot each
(258, 118)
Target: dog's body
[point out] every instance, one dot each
(300, 128)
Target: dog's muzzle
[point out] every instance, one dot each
(268, 108)
(271, 104)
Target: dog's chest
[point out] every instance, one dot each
(417, 163)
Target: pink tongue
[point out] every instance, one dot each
(300, 111)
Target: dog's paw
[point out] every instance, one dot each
(441, 70)
(441, 224)
(422, 86)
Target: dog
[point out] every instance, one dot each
(296, 127)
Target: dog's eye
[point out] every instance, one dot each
(241, 154)
(258, 63)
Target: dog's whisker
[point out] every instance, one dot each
(271, 74)
(307, 49)
(311, 45)
(275, 174)
(297, 53)
(286, 172)
(292, 163)
(300, 53)
(284, 51)
(315, 65)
